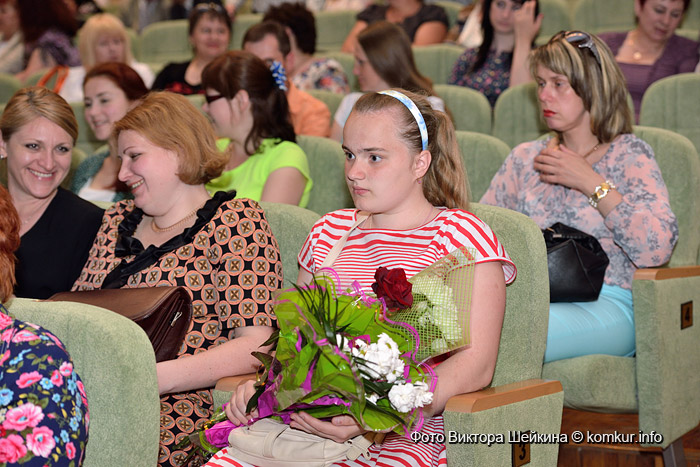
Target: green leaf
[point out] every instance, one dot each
(272, 339)
(266, 359)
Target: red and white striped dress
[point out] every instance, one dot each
(413, 250)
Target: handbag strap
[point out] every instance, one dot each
(360, 445)
(360, 217)
(61, 72)
(271, 437)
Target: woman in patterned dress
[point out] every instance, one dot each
(412, 184)
(595, 176)
(509, 28)
(220, 249)
(43, 408)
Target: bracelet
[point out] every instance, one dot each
(601, 191)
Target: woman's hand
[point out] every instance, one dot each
(236, 408)
(340, 429)
(561, 166)
(525, 24)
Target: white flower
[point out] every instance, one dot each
(402, 397)
(383, 360)
(408, 396)
(443, 311)
(439, 346)
(339, 338)
(373, 398)
(423, 396)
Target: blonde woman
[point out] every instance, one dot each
(38, 134)
(595, 176)
(103, 38)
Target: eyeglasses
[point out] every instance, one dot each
(212, 98)
(580, 39)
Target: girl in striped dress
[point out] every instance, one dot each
(403, 168)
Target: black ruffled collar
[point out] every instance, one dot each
(128, 245)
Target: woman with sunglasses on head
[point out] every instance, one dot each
(509, 28)
(593, 175)
(247, 104)
(210, 32)
(404, 170)
(653, 50)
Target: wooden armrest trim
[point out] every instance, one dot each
(229, 383)
(657, 274)
(502, 395)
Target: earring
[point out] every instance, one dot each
(420, 180)
(2, 155)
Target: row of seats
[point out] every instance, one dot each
(167, 41)
(123, 399)
(670, 103)
(659, 383)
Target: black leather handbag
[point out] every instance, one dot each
(577, 264)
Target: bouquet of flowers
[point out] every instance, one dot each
(346, 352)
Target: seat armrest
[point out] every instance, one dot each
(467, 403)
(656, 274)
(502, 395)
(667, 349)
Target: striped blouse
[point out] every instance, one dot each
(413, 250)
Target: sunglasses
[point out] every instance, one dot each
(580, 39)
(211, 6)
(212, 98)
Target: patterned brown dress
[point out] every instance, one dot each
(228, 261)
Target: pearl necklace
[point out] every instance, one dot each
(157, 229)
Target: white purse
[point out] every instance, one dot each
(270, 443)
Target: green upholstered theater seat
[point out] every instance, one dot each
(516, 115)
(436, 61)
(482, 155)
(598, 16)
(9, 85)
(470, 110)
(327, 165)
(290, 226)
(673, 103)
(116, 363)
(165, 41)
(661, 381)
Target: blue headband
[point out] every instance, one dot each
(413, 108)
(279, 74)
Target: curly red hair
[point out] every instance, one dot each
(9, 242)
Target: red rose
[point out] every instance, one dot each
(393, 287)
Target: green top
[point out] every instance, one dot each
(248, 179)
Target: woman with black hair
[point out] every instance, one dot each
(48, 29)
(509, 29)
